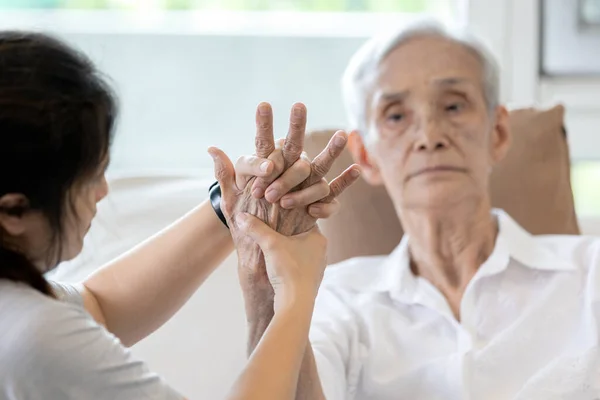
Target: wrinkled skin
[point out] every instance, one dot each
(300, 175)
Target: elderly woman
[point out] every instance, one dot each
(469, 305)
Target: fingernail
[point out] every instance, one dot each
(287, 203)
(298, 110)
(265, 166)
(340, 140)
(355, 173)
(271, 194)
(316, 209)
(257, 193)
(263, 109)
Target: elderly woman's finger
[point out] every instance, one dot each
(294, 142)
(342, 182)
(323, 162)
(324, 210)
(292, 177)
(224, 171)
(306, 196)
(248, 167)
(264, 142)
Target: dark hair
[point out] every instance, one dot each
(56, 121)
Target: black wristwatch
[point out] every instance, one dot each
(214, 194)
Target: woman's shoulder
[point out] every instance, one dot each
(56, 347)
(31, 321)
(36, 329)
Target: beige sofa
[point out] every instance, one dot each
(532, 184)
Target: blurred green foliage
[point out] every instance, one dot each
(240, 5)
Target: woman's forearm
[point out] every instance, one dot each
(138, 292)
(273, 368)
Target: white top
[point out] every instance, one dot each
(529, 327)
(52, 349)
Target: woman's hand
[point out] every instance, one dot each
(294, 264)
(290, 176)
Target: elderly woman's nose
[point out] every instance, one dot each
(430, 135)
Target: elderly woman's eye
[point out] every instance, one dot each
(455, 107)
(395, 117)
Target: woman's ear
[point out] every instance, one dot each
(360, 154)
(12, 208)
(501, 135)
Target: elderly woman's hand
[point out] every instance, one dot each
(284, 175)
(295, 192)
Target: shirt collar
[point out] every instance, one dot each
(512, 242)
(526, 249)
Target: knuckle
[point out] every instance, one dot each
(346, 181)
(220, 172)
(333, 151)
(320, 169)
(297, 124)
(263, 144)
(263, 125)
(293, 147)
(335, 188)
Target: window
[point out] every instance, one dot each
(585, 178)
(411, 6)
(216, 57)
(570, 37)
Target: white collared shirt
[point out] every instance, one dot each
(529, 328)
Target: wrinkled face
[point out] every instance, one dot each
(432, 140)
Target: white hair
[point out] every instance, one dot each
(363, 66)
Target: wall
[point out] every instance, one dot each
(181, 94)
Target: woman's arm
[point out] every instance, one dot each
(273, 368)
(294, 266)
(139, 291)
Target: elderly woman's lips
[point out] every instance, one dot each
(438, 169)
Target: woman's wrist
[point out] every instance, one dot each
(294, 298)
(216, 225)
